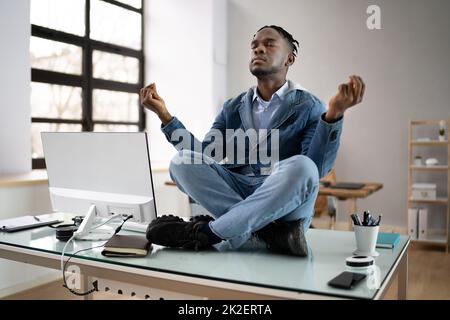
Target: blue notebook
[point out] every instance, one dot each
(387, 240)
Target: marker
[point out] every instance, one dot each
(365, 218)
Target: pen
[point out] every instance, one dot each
(379, 219)
(358, 220)
(372, 221)
(355, 222)
(36, 218)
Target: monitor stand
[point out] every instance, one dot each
(85, 231)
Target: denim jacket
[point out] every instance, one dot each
(299, 119)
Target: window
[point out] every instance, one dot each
(87, 67)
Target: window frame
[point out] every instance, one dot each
(86, 81)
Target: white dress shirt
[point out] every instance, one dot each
(263, 111)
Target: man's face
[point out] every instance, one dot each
(270, 53)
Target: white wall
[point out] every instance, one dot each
(405, 66)
(15, 136)
(220, 56)
(15, 148)
(18, 201)
(187, 62)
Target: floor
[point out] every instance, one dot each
(429, 278)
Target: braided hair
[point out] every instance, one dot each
(292, 42)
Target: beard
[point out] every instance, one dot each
(260, 72)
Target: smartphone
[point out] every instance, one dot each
(346, 280)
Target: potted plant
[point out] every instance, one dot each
(442, 130)
(418, 161)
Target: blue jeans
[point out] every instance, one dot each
(242, 204)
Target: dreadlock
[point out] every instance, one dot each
(292, 42)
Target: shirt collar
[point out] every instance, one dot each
(280, 93)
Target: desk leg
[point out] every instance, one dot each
(403, 277)
(85, 286)
(353, 209)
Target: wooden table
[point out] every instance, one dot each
(351, 194)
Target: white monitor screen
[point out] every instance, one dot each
(111, 170)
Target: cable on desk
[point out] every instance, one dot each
(64, 264)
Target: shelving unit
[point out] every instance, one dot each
(442, 238)
(438, 200)
(429, 168)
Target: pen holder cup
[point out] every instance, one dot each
(366, 240)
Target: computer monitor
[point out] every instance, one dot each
(109, 170)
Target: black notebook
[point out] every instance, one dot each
(126, 246)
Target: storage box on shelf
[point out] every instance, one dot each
(423, 197)
(424, 191)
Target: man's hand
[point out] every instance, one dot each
(349, 94)
(152, 101)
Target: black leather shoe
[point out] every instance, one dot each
(285, 237)
(201, 217)
(172, 231)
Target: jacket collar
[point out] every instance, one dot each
(284, 111)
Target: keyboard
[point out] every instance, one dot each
(135, 226)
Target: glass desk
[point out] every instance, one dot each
(251, 272)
